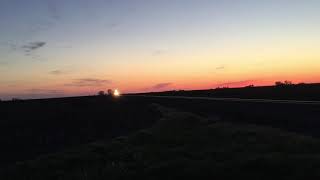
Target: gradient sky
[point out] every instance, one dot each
(54, 48)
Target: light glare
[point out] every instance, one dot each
(116, 92)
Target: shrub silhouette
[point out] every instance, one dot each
(283, 84)
(110, 92)
(101, 93)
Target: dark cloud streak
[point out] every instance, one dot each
(44, 91)
(89, 82)
(161, 85)
(33, 46)
(159, 52)
(57, 72)
(220, 67)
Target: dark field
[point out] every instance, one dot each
(131, 137)
(284, 92)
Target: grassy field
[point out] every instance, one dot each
(35, 127)
(283, 92)
(131, 137)
(182, 145)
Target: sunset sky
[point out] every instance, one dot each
(51, 48)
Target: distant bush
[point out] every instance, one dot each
(225, 87)
(110, 92)
(101, 93)
(249, 86)
(283, 84)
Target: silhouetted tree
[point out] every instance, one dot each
(283, 84)
(288, 83)
(220, 88)
(101, 93)
(278, 83)
(110, 92)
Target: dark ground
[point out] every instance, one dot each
(283, 92)
(98, 137)
(34, 127)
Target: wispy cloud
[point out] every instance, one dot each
(44, 91)
(159, 52)
(32, 46)
(162, 85)
(220, 67)
(89, 82)
(112, 26)
(57, 72)
(156, 87)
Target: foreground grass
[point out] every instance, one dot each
(182, 145)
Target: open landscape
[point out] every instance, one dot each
(159, 89)
(154, 137)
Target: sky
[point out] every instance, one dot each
(52, 48)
